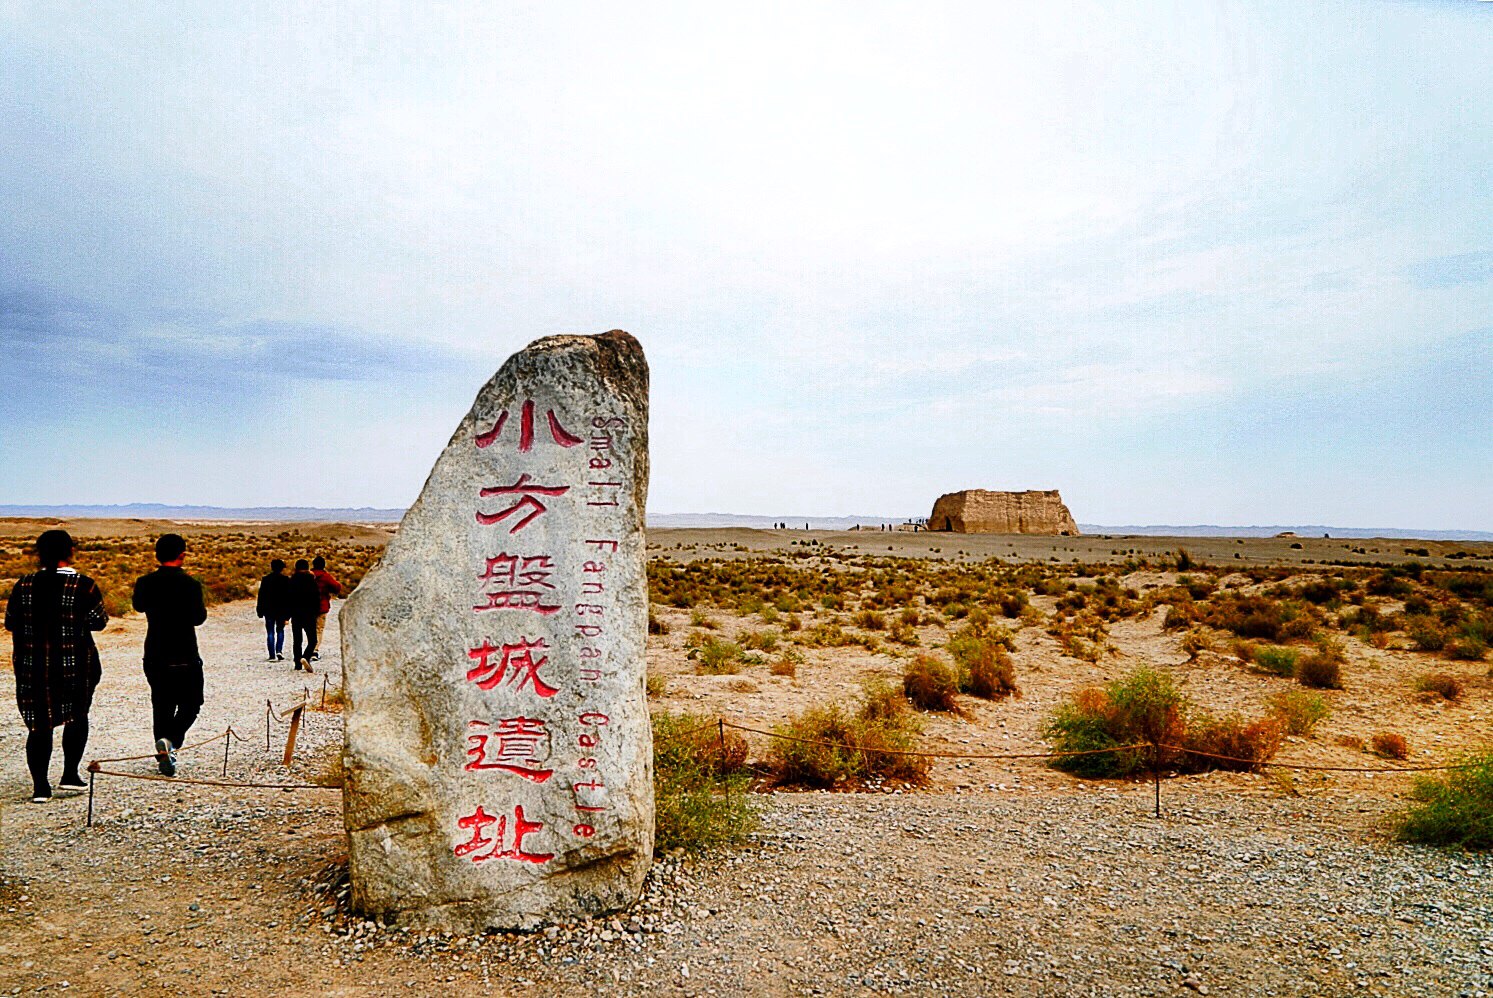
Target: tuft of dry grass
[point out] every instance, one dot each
(1388, 745)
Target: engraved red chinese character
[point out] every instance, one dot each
(558, 433)
(516, 583)
(478, 822)
(518, 745)
(516, 666)
(526, 501)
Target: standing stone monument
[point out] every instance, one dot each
(498, 756)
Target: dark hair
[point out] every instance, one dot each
(170, 547)
(277, 565)
(54, 547)
(318, 563)
(301, 565)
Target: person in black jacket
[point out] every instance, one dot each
(173, 606)
(305, 605)
(274, 607)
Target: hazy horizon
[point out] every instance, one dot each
(1196, 262)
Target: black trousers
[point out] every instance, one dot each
(175, 699)
(302, 627)
(39, 753)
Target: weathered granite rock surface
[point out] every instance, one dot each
(976, 511)
(498, 754)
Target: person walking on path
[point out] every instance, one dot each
(51, 615)
(274, 607)
(305, 604)
(328, 586)
(173, 606)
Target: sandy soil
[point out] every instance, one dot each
(999, 878)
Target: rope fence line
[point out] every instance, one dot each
(180, 780)
(931, 755)
(1322, 769)
(295, 712)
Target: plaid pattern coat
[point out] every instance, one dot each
(50, 616)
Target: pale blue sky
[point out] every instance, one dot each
(1192, 262)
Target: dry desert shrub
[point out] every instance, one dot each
(1323, 668)
(786, 663)
(1299, 710)
(1146, 709)
(826, 746)
(1425, 633)
(656, 686)
(1230, 743)
(656, 625)
(1439, 683)
(931, 684)
(1353, 742)
(1195, 642)
(1466, 649)
(1388, 745)
(990, 674)
(759, 640)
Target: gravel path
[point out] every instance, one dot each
(181, 890)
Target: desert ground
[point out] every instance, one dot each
(991, 877)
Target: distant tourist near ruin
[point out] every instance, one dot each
(976, 511)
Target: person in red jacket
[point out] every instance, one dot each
(328, 586)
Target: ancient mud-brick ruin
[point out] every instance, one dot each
(976, 511)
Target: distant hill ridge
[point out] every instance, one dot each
(371, 514)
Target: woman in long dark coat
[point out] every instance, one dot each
(50, 616)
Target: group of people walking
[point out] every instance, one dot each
(303, 601)
(53, 612)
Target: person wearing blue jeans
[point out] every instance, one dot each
(274, 607)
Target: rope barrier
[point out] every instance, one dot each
(1323, 769)
(210, 783)
(152, 755)
(934, 755)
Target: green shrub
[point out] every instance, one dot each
(759, 640)
(656, 685)
(696, 804)
(870, 620)
(931, 684)
(1277, 660)
(699, 618)
(1453, 810)
(1299, 710)
(717, 657)
(1145, 706)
